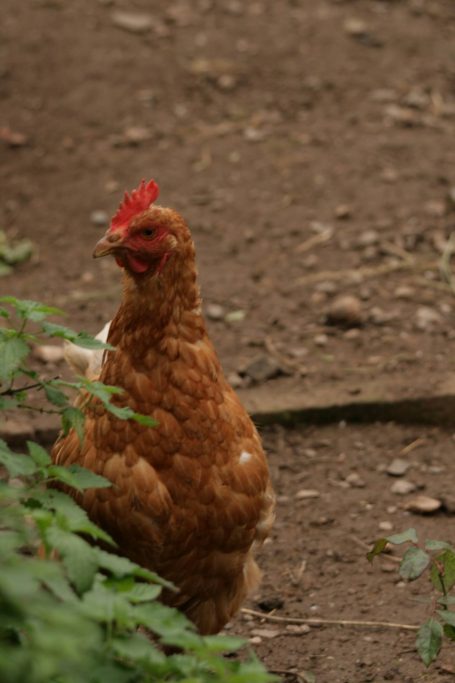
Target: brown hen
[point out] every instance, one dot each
(191, 497)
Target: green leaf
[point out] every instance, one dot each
(78, 477)
(79, 338)
(13, 350)
(70, 515)
(428, 641)
(405, 536)
(18, 465)
(414, 563)
(38, 454)
(449, 631)
(31, 310)
(443, 571)
(142, 592)
(437, 545)
(121, 566)
(145, 420)
(73, 418)
(54, 395)
(447, 616)
(78, 557)
(378, 548)
(219, 644)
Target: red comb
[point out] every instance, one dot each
(132, 204)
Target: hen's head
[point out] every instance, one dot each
(143, 237)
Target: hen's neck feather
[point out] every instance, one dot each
(160, 306)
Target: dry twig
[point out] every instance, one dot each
(329, 622)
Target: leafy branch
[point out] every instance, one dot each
(437, 559)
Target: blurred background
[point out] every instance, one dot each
(310, 146)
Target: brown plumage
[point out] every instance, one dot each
(191, 497)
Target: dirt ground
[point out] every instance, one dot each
(311, 147)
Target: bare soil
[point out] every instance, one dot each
(310, 145)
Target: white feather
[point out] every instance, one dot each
(86, 362)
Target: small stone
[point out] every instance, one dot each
(262, 368)
(385, 526)
(134, 135)
(343, 211)
(326, 287)
(368, 238)
(427, 318)
(423, 505)
(133, 22)
(352, 333)
(215, 312)
(402, 116)
(307, 494)
(13, 138)
(356, 28)
(321, 340)
(354, 480)
(404, 292)
(298, 628)
(235, 316)
(48, 353)
(402, 487)
(99, 218)
(268, 633)
(345, 310)
(398, 467)
(255, 640)
(235, 380)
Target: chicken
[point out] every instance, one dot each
(191, 497)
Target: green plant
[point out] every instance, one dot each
(437, 560)
(71, 612)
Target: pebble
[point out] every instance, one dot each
(262, 368)
(402, 487)
(427, 318)
(345, 310)
(298, 628)
(268, 633)
(321, 340)
(355, 481)
(385, 526)
(368, 238)
(215, 312)
(235, 316)
(356, 28)
(235, 380)
(255, 640)
(402, 116)
(133, 22)
(404, 292)
(307, 494)
(424, 505)
(343, 211)
(99, 218)
(48, 353)
(398, 467)
(134, 135)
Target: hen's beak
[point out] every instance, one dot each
(108, 244)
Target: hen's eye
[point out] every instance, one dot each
(148, 232)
